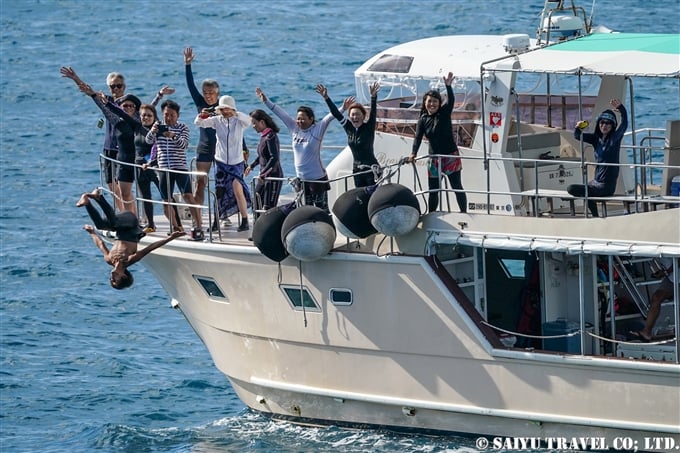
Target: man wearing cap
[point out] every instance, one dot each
(231, 189)
(606, 141)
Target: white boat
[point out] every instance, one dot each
(508, 320)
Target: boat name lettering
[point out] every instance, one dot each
(560, 174)
(492, 207)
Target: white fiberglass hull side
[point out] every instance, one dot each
(405, 343)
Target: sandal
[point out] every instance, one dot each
(638, 336)
(176, 230)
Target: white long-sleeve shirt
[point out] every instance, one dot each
(306, 143)
(229, 132)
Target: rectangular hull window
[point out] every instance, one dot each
(296, 297)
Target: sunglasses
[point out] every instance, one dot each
(116, 85)
(128, 106)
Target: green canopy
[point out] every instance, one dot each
(634, 54)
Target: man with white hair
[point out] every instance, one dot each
(116, 83)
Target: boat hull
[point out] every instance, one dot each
(417, 361)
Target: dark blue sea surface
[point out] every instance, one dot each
(84, 367)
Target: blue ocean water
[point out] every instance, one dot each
(86, 368)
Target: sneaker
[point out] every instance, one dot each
(243, 226)
(197, 234)
(226, 223)
(149, 229)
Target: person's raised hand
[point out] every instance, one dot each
(188, 55)
(321, 89)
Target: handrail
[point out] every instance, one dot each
(167, 172)
(343, 182)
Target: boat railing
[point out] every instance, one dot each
(634, 201)
(162, 173)
(549, 10)
(652, 142)
(645, 162)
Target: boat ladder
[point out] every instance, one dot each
(631, 286)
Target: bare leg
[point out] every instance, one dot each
(654, 311)
(240, 199)
(118, 197)
(195, 212)
(201, 183)
(174, 220)
(128, 202)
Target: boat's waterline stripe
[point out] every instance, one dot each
(420, 404)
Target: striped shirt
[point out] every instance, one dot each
(172, 152)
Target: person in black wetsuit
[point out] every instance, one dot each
(435, 124)
(143, 150)
(360, 133)
(207, 98)
(124, 134)
(268, 158)
(125, 224)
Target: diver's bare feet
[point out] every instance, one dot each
(88, 228)
(85, 198)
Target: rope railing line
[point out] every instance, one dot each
(178, 204)
(574, 333)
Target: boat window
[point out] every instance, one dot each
(513, 268)
(392, 63)
(341, 296)
(210, 286)
(296, 297)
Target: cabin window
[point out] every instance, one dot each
(296, 297)
(392, 63)
(211, 287)
(341, 296)
(513, 268)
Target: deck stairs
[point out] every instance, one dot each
(635, 275)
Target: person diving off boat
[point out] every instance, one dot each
(125, 224)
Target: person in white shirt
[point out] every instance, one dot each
(307, 135)
(231, 189)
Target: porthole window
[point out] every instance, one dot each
(341, 296)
